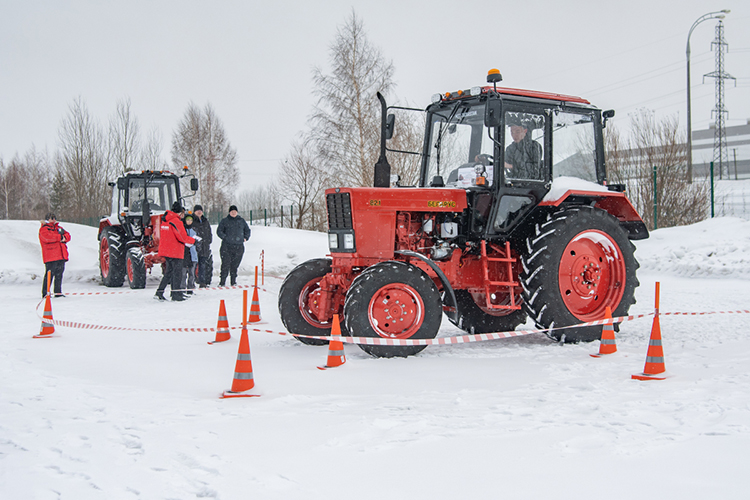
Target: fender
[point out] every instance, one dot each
(614, 203)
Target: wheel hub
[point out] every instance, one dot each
(591, 274)
(309, 304)
(396, 311)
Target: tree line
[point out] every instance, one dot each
(72, 180)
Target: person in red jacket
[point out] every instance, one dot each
(54, 241)
(172, 247)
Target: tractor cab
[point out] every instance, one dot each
(506, 147)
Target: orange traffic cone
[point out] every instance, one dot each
(607, 344)
(222, 326)
(336, 355)
(48, 327)
(655, 354)
(243, 372)
(254, 308)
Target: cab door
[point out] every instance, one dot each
(525, 154)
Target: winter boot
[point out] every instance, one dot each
(160, 296)
(178, 297)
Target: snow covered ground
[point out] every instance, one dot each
(106, 414)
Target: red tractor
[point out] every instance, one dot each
(129, 236)
(513, 217)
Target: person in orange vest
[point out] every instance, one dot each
(172, 248)
(53, 239)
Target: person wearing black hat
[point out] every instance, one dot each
(205, 260)
(234, 232)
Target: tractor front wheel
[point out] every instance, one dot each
(135, 268)
(299, 299)
(393, 300)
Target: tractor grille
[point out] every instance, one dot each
(339, 211)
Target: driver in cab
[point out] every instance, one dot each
(523, 157)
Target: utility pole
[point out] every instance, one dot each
(720, 112)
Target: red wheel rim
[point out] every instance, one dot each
(591, 275)
(396, 311)
(104, 257)
(309, 304)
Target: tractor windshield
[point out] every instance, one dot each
(459, 146)
(160, 193)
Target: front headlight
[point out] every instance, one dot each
(349, 241)
(333, 240)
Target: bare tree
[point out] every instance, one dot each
(656, 146)
(200, 143)
(11, 178)
(304, 182)
(408, 136)
(345, 120)
(124, 138)
(151, 152)
(82, 163)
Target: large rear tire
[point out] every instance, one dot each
(576, 264)
(135, 268)
(112, 257)
(473, 319)
(299, 299)
(393, 300)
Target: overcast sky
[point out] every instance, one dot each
(253, 60)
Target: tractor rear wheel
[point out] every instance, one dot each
(135, 268)
(473, 319)
(112, 257)
(576, 264)
(393, 300)
(299, 298)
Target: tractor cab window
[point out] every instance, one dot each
(460, 150)
(574, 146)
(524, 146)
(160, 193)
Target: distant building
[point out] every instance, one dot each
(738, 154)
(738, 147)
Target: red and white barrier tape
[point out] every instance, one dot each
(461, 339)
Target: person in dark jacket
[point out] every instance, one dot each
(205, 260)
(53, 239)
(234, 232)
(173, 239)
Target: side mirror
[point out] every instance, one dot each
(122, 183)
(390, 124)
(606, 115)
(493, 113)
(194, 184)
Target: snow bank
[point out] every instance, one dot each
(711, 248)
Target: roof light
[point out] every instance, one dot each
(494, 75)
(435, 98)
(476, 90)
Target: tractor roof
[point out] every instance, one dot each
(536, 94)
